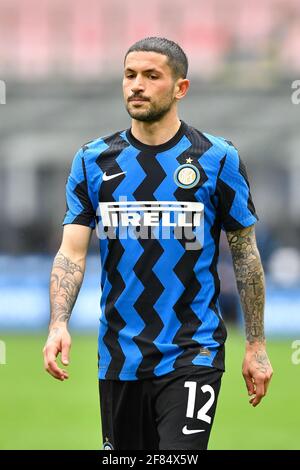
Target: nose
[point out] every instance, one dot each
(137, 85)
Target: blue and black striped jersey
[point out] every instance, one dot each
(158, 211)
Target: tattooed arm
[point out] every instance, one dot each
(257, 370)
(66, 279)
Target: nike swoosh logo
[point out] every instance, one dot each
(110, 177)
(185, 430)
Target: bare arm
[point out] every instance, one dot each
(66, 279)
(257, 370)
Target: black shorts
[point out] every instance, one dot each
(171, 412)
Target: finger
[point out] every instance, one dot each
(52, 368)
(65, 352)
(60, 375)
(267, 382)
(55, 371)
(259, 391)
(249, 384)
(47, 356)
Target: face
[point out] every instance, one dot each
(148, 85)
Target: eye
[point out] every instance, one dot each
(129, 75)
(153, 77)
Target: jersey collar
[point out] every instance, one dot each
(157, 148)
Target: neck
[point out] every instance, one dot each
(156, 133)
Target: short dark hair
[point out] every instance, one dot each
(177, 59)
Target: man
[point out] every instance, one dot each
(160, 193)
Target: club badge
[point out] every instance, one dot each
(187, 176)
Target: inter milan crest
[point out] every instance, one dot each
(187, 176)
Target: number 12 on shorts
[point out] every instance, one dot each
(202, 413)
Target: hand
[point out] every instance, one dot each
(59, 341)
(257, 371)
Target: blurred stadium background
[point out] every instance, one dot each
(61, 63)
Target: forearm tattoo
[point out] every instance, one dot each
(65, 283)
(250, 280)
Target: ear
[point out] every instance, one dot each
(181, 88)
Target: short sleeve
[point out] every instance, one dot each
(79, 206)
(235, 205)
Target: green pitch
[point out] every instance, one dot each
(38, 412)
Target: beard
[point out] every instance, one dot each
(154, 112)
